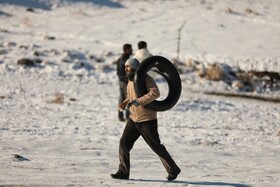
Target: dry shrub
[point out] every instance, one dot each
(211, 143)
(250, 11)
(237, 85)
(246, 11)
(245, 76)
(25, 22)
(278, 134)
(213, 72)
(189, 65)
(80, 12)
(59, 98)
(194, 64)
(230, 11)
(47, 37)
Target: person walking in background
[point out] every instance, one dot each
(141, 122)
(127, 52)
(142, 53)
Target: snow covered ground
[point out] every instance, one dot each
(61, 115)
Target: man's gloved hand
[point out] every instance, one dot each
(133, 102)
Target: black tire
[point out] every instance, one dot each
(166, 69)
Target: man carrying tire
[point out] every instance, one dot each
(141, 122)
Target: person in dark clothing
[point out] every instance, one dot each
(127, 51)
(141, 122)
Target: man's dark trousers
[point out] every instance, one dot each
(122, 97)
(149, 131)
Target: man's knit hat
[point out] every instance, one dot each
(132, 62)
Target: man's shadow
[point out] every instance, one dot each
(202, 183)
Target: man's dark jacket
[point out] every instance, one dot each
(121, 67)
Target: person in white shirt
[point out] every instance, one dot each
(142, 53)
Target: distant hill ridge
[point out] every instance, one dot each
(49, 4)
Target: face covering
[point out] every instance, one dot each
(130, 76)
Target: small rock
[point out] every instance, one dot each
(3, 51)
(10, 44)
(210, 143)
(38, 53)
(26, 62)
(38, 60)
(73, 99)
(18, 158)
(49, 38)
(30, 10)
(24, 47)
(4, 30)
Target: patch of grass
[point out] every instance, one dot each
(59, 99)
